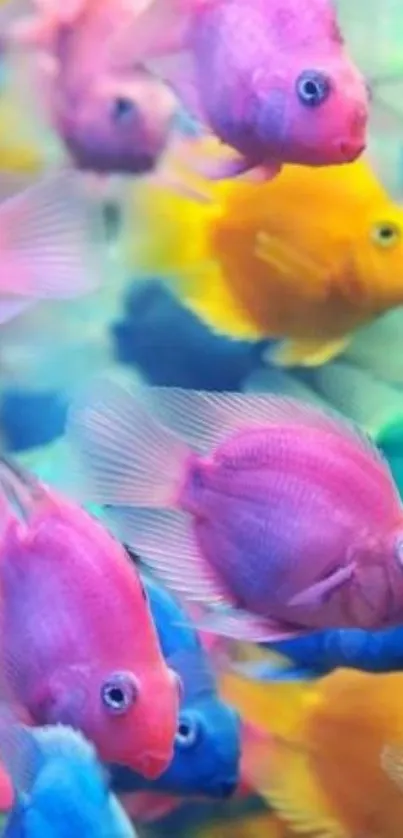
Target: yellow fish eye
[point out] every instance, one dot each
(385, 233)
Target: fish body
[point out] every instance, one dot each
(324, 248)
(322, 737)
(321, 652)
(114, 116)
(60, 788)
(68, 658)
(281, 88)
(207, 745)
(265, 506)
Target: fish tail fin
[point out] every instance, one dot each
(125, 456)
(47, 241)
(276, 708)
(276, 751)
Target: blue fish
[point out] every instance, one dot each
(316, 654)
(208, 741)
(60, 788)
(193, 356)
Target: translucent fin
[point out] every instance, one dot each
(124, 456)
(166, 543)
(372, 403)
(206, 419)
(290, 264)
(391, 760)
(284, 777)
(386, 94)
(22, 490)
(309, 353)
(320, 590)
(19, 752)
(11, 307)
(240, 625)
(48, 241)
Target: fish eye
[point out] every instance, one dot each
(123, 109)
(399, 550)
(385, 234)
(188, 732)
(119, 692)
(313, 88)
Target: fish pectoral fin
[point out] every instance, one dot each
(391, 760)
(308, 353)
(261, 174)
(318, 592)
(240, 625)
(291, 788)
(291, 265)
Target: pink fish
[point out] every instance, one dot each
(47, 243)
(70, 601)
(113, 115)
(270, 78)
(275, 516)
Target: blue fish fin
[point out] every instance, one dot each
(19, 752)
(195, 671)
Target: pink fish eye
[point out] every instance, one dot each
(119, 692)
(313, 88)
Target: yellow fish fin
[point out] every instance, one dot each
(285, 779)
(291, 265)
(276, 708)
(308, 353)
(392, 763)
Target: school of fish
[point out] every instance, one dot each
(201, 419)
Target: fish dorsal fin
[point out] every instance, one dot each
(295, 793)
(21, 489)
(206, 419)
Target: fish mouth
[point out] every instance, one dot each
(349, 150)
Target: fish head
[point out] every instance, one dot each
(207, 751)
(311, 110)
(119, 124)
(378, 256)
(130, 714)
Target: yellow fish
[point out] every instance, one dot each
(332, 765)
(305, 258)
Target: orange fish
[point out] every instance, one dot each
(333, 762)
(306, 258)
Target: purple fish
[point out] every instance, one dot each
(277, 517)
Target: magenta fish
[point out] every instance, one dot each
(78, 644)
(113, 115)
(270, 78)
(277, 517)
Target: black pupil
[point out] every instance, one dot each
(122, 108)
(386, 232)
(183, 729)
(311, 89)
(116, 696)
